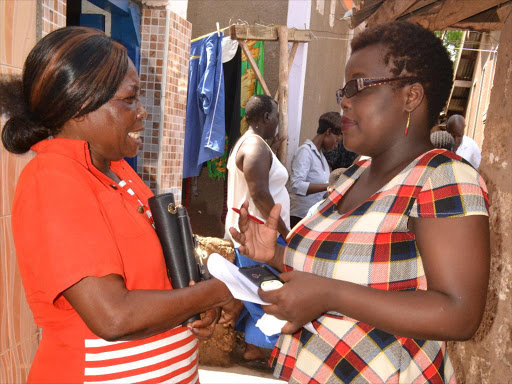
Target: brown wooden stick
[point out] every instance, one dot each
(290, 62)
(283, 90)
(254, 66)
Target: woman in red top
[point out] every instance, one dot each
(90, 260)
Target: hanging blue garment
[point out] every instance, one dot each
(205, 125)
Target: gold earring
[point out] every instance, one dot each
(407, 126)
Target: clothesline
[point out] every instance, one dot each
(458, 48)
(208, 34)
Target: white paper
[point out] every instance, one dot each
(242, 288)
(270, 325)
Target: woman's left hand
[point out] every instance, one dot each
(277, 142)
(303, 298)
(204, 328)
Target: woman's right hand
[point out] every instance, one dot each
(257, 241)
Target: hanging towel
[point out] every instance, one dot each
(205, 125)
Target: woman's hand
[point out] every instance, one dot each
(204, 328)
(257, 241)
(277, 142)
(231, 312)
(302, 299)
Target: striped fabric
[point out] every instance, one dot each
(372, 246)
(169, 357)
(127, 187)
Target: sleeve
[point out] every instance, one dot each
(453, 189)
(477, 156)
(61, 234)
(300, 169)
(206, 88)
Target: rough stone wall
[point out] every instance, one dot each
(217, 350)
(487, 358)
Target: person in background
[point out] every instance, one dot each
(442, 139)
(464, 146)
(255, 174)
(396, 261)
(310, 170)
(340, 157)
(333, 179)
(91, 263)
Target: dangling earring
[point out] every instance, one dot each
(407, 126)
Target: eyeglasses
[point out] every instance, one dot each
(354, 86)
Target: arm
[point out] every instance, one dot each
(72, 222)
(254, 160)
(258, 241)
(301, 167)
(114, 313)
(477, 155)
(455, 255)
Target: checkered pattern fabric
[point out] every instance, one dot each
(372, 246)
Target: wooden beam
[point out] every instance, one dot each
(390, 11)
(283, 91)
(479, 26)
(363, 13)
(504, 11)
(420, 4)
(263, 32)
(484, 21)
(290, 62)
(254, 66)
(463, 83)
(425, 16)
(454, 11)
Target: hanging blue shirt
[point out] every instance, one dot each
(205, 125)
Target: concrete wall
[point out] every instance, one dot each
(90, 8)
(487, 358)
(478, 104)
(203, 14)
(327, 56)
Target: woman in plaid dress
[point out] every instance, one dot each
(396, 261)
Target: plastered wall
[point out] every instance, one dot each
(487, 358)
(19, 335)
(327, 55)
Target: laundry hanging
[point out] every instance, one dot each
(250, 84)
(240, 83)
(205, 122)
(232, 78)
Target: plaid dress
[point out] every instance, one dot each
(372, 246)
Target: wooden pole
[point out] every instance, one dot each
(255, 66)
(282, 34)
(290, 62)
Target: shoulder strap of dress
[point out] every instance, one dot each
(259, 137)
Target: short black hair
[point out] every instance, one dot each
(414, 51)
(330, 120)
(257, 106)
(442, 139)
